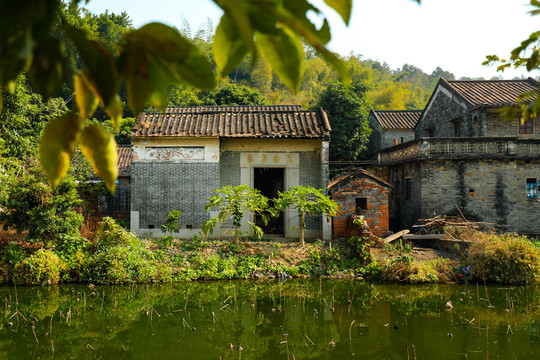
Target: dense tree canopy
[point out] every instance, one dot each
(348, 111)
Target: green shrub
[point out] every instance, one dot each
(508, 259)
(13, 253)
(120, 257)
(110, 233)
(359, 247)
(43, 267)
(67, 245)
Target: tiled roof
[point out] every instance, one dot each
(491, 93)
(124, 160)
(397, 119)
(352, 174)
(286, 121)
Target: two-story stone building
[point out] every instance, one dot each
(467, 159)
(182, 155)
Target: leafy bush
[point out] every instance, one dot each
(13, 253)
(110, 233)
(359, 247)
(43, 267)
(35, 207)
(171, 225)
(120, 257)
(508, 259)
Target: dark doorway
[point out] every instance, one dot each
(269, 181)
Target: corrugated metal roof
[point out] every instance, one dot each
(268, 121)
(492, 93)
(397, 119)
(124, 160)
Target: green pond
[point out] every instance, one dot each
(293, 320)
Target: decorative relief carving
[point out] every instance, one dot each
(176, 153)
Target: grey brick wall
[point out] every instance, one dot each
(117, 204)
(158, 188)
(440, 116)
(310, 175)
(230, 168)
(492, 191)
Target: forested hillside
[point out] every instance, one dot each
(375, 85)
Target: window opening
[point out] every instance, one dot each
(361, 205)
(407, 189)
(526, 127)
(431, 132)
(457, 128)
(532, 188)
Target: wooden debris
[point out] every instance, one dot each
(411, 237)
(437, 224)
(395, 236)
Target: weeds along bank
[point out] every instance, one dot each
(117, 256)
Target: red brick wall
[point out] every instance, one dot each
(376, 215)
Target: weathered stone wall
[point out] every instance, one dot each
(441, 113)
(375, 137)
(492, 191)
(118, 204)
(376, 215)
(405, 199)
(496, 126)
(158, 188)
(381, 139)
(310, 175)
(229, 168)
(402, 136)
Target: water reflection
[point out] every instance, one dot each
(304, 319)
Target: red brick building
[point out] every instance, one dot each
(360, 193)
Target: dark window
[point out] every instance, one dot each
(407, 189)
(431, 132)
(532, 188)
(526, 127)
(361, 205)
(151, 226)
(457, 128)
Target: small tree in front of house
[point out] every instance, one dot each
(171, 225)
(233, 203)
(307, 201)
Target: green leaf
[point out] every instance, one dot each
(48, 66)
(99, 147)
(159, 50)
(285, 53)
(58, 141)
(229, 46)
(137, 78)
(114, 110)
(101, 70)
(85, 97)
(342, 7)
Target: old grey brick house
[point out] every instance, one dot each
(391, 127)
(182, 155)
(466, 157)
